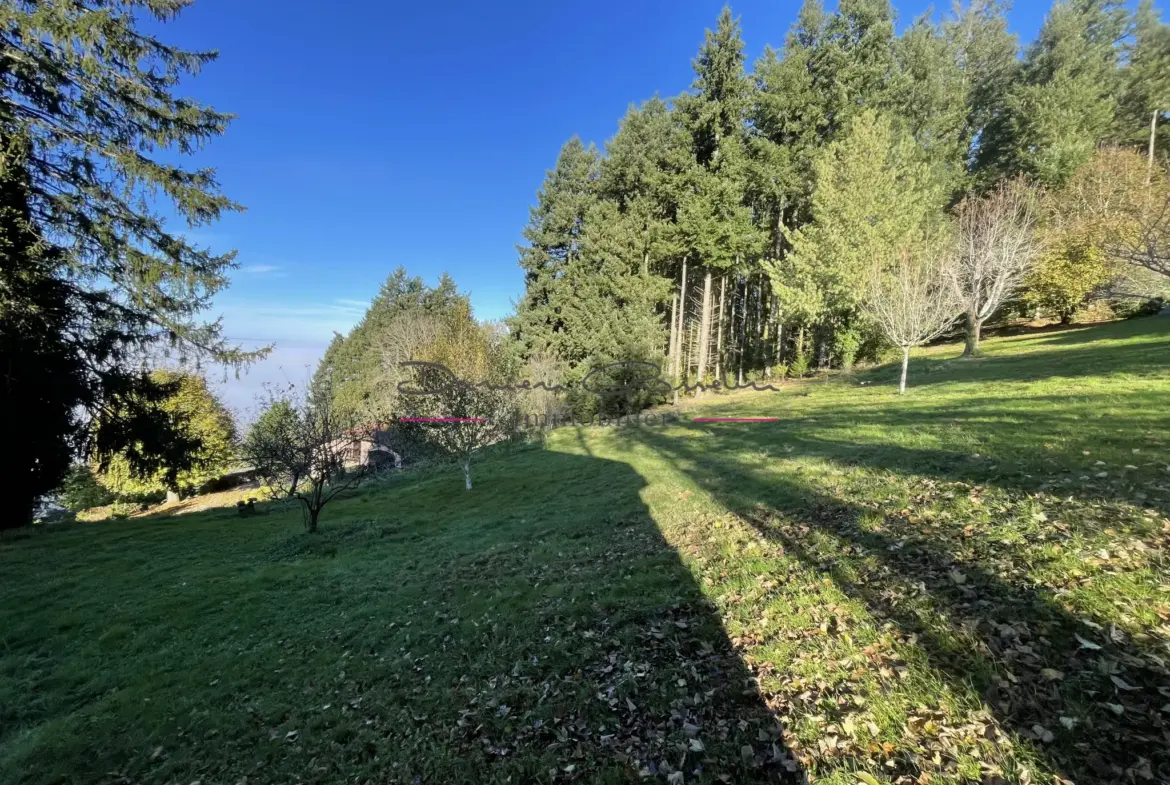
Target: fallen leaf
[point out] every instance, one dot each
(1121, 684)
(1087, 644)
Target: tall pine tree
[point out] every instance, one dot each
(87, 97)
(1145, 99)
(553, 237)
(1063, 104)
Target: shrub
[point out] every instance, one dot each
(81, 490)
(121, 510)
(1151, 307)
(799, 367)
(846, 344)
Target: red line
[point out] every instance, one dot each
(736, 419)
(441, 419)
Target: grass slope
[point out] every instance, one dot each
(964, 584)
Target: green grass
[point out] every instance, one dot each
(965, 583)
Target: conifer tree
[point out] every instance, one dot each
(354, 367)
(714, 219)
(1146, 78)
(789, 123)
(986, 55)
(1064, 102)
(931, 95)
(553, 237)
(873, 190)
(88, 98)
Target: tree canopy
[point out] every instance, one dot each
(200, 421)
(91, 132)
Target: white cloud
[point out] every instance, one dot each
(259, 269)
(299, 333)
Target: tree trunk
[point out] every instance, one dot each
(778, 229)
(467, 473)
(672, 351)
(704, 331)
(731, 325)
(779, 342)
(719, 330)
(682, 311)
(312, 512)
(743, 331)
(761, 345)
(1150, 155)
(973, 326)
(905, 365)
(768, 313)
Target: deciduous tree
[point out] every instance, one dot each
(997, 247)
(911, 298)
(461, 398)
(200, 420)
(305, 449)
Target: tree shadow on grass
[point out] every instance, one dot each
(621, 668)
(980, 621)
(1097, 447)
(536, 629)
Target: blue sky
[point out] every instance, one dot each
(375, 134)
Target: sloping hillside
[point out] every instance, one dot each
(967, 583)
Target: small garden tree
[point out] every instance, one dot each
(457, 403)
(997, 248)
(912, 299)
(306, 450)
(273, 439)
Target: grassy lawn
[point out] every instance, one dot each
(964, 584)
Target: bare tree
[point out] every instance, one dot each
(997, 247)
(462, 398)
(1145, 241)
(913, 300)
(310, 453)
(460, 416)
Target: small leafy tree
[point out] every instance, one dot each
(305, 450)
(461, 399)
(1072, 268)
(912, 299)
(274, 438)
